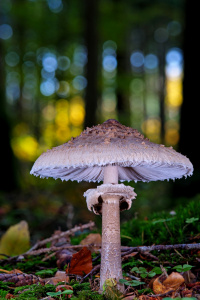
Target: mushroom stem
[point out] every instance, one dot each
(110, 174)
(111, 242)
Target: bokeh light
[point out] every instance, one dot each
(12, 59)
(24, 145)
(137, 59)
(151, 128)
(49, 112)
(5, 31)
(161, 35)
(174, 28)
(171, 132)
(64, 89)
(109, 63)
(77, 111)
(174, 95)
(63, 63)
(150, 62)
(79, 82)
(48, 87)
(49, 62)
(55, 5)
(80, 56)
(174, 60)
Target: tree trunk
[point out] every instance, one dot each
(8, 180)
(91, 40)
(188, 144)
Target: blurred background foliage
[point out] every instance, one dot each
(66, 65)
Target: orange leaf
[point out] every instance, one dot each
(171, 282)
(81, 262)
(174, 280)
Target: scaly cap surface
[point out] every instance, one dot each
(83, 158)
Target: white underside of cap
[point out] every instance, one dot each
(140, 172)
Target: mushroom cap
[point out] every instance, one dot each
(83, 158)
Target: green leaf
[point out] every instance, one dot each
(131, 283)
(143, 275)
(178, 268)
(68, 292)
(183, 268)
(191, 220)
(60, 293)
(187, 267)
(157, 270)
(136, 282)
(142, 270)
(54, 293)
(151, 274)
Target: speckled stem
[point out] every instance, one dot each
(111, 243)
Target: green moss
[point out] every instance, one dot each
(163, 228)
(34, 291)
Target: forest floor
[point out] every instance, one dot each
(66, 265)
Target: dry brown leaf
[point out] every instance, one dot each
(130, 296)
(129, 255)
(92, 238)
(164, 284)
(158, 287)
(81, 262)
(9, 296)
(60, 276)
(174, 280)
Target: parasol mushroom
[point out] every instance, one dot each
(111, 152)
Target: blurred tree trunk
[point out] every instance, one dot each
(8, 180)
(162, 80)
(188, 144)
(123, 105)
(91, 40)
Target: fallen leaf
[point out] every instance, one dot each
(129, 255)
(92, 239)
(9, 296)
(16, 240)
(189, 277)
(174, 280)
(164, 284)
(81, 262)
(130, 296)
(60, 276)
(63, 288)
(63, 258)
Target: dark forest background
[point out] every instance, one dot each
(66, 65)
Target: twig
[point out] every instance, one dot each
(161, 247)
(65, 233)
(94, 270)
(164, 294)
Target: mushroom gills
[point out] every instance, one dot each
(95, 173)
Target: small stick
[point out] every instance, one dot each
(94, 270)
(164, 294)
(57, 236)
(161, 247)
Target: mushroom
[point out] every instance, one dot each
(111, 152)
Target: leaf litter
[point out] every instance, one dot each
(54, 268)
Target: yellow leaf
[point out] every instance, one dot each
(16, 240)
